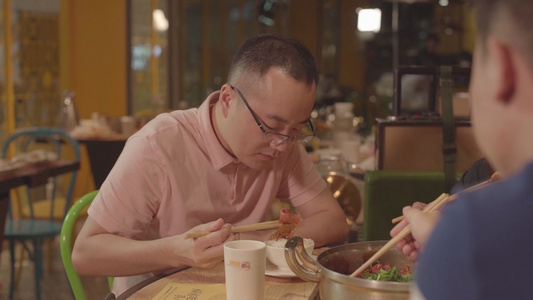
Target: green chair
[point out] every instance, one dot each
(387, 192)
(66, 245)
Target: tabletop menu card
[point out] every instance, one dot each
(196, 291)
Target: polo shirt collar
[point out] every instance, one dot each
(217, 153)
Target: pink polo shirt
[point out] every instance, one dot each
(174, 174)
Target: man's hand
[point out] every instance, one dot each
(422, 225)
(205, 251)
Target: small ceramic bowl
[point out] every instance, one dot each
(275, 252)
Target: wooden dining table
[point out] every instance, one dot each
(33, 174)
(276, 288)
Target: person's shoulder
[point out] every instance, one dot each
(520, 182)
(170, 125)
(163, 134)
(485, 226)
(476, 233)
(517, 187)
(505, 205)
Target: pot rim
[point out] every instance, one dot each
(361, 282)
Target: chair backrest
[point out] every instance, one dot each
(416, 145)
(387, 192)
(66, 243)
(38, 145)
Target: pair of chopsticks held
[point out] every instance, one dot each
(492, 179)
(435, 205)
(250, 227)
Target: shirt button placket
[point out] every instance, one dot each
(234, 185)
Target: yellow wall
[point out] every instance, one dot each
(95, 66)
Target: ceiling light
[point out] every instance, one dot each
(369, 19)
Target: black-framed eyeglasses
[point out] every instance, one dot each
(274, 138)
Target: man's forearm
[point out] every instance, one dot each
(121, 256)
(324, 229)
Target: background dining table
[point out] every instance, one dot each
(34, 174)
(103, 153)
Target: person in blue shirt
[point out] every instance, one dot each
(480, 245)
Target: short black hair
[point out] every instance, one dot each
(260, 53)
(513, 16)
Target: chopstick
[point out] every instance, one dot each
(250, 227)
(435, 205)
(427, 207)
(492, 179)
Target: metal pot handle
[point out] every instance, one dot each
(308, 270)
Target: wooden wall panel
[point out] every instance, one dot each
(303, 24)
(353, 65)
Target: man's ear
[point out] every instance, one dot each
(225, 99)
(503, 68)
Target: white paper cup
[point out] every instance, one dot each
(244, 263)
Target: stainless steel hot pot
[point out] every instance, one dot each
(332, 268)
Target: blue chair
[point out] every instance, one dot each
(66, 241)
(43, 219)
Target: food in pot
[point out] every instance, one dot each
(288, 225)
(385, 272)
(334, 266)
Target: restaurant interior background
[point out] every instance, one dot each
(142, 57)
(139, 58)
(102, 50)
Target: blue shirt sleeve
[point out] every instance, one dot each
(445, 269)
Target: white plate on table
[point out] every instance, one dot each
(273, 270)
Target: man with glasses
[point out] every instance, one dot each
(211, 168)
(277, 139)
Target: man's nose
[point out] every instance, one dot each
(280, 147)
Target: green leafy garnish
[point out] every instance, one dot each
(388, 274)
